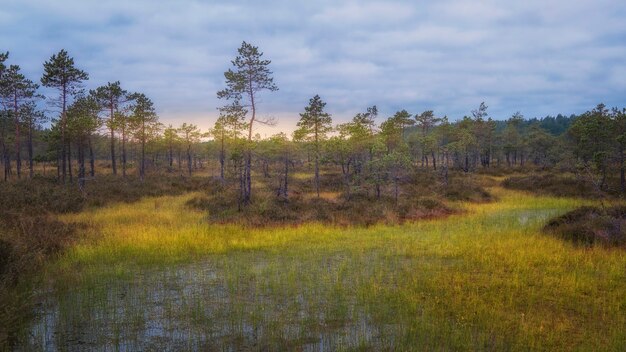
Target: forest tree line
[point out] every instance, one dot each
(370, 152)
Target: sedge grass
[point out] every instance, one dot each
(156, 273)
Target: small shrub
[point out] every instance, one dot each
(556, 185)
(591, 225)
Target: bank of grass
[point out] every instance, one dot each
(487, 279)
(588, 226)
(422, 195)
(31, 234)
(560, 184)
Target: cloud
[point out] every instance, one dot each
(534, 56)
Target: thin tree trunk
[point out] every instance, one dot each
(4, 159)
(31, 169)
(242, 186)
(111, 121)
(395, 185)
(124, 151)
(59, 163)
(69, 161)
(142, 166)
(445, 171)
(18, 158)
(248, 178)
(7, 166)
(622, 172)
(113, 160)
(63, 126)
(179, 161)
(286, 188)
(248, 162)
(189, 159)
(81, 166)
(171, 157)
(92, 160)
(317, 175)
(222, 160)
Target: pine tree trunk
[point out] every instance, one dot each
(240, 196)
(171, 158)
(222, 160)
(124, 152)
(92, 160)
(180, 162)
(445, 171)
(622, 172)
(81, 166)
(111, 121)
(69, 162)
(113, 160)
(18, 158)
(4, 161)
(59, 163)
(286, 182)
(434, 160)
(317, 175)
(31, 168)
(395, 185)
(142, 166)
(189, 159)
(248, 179)
(63, 125)
(3, 151)
(142, 162)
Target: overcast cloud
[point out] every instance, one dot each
(539, 57)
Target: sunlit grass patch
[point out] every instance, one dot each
(486, 278)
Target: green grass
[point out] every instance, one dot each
(157, 273)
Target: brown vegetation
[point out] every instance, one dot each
(29, 232)
(560, 185)
(591, 226)
(422, 196)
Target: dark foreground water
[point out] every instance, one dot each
(239, 302)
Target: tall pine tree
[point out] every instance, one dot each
(250, 76)
(314, 124)
(61, 74)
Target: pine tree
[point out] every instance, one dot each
(111, 98)
(144, 120)
(82, 123)
(61, 74)
(250, 76)
(17, 90)
(190, 134)
(314, 124)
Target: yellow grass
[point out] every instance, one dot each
(487, 279)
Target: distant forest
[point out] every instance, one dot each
(120, 133)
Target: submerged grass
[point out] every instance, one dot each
(156, 273)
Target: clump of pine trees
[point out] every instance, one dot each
(69, 127)
(119, 132)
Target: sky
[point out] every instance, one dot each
(539, 57)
